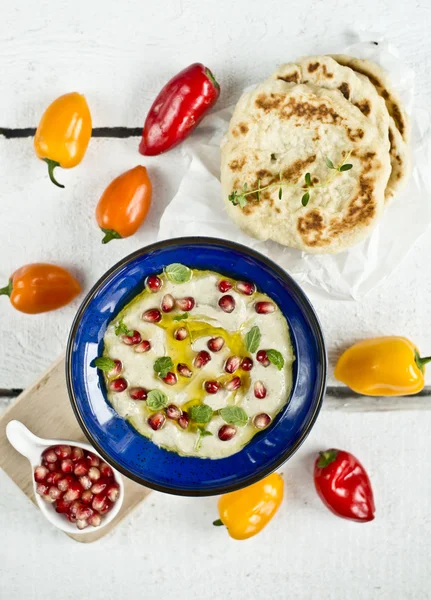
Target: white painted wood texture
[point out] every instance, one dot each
(119, 55)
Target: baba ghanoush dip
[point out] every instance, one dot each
(198, 362)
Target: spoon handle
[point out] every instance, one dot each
(22, 439)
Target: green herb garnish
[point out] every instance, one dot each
(156, 399)
(276, 358)
(181, 317)
(252, 339)
(163, 365)
(178, 273)
(104, 363)
(201, 413)
(202, 432)
(234, 415)
(122, 329)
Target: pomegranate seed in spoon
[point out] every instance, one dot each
(118, 385)
(261, 421)
(185, 304)
(224, 286)
(262, 357)
(112, 492)
(83, 513)
(42, 489)
(63, 451)
(73, 493)
(153, 315)
(54, 478)
(54, 492)
(201, 359)
(99, 486)
(244, 287)
(81, 468)
(40, 473)
(50, 456)
(85, 482)
(215, 344)
(81, 524)
(181, 333)
(61, 506)
(67, 465)
(153, 283)
(246, 364)
(93, 460)
(264, 308)
(77, 453)
(106, 470)
(226, 432)
(212, 387)
(232, 364)
(227, 303)
(168, 303)
(259, 390)
(94, 473)
(95, 520)
(144, 346)
(64, 483)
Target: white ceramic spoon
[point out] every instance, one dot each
(31, 446)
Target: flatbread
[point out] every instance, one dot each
(399, 127)
(288, 128)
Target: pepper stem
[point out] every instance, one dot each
(51, 166)
(7, 291)
(218, 523)
(212, 78)
(110, 234)
(326, 458)
(421, 362)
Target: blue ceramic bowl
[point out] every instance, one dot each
(136, 456)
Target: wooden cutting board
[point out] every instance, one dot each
(45, 409)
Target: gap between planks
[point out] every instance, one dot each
(336, 399)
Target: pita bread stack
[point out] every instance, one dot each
(314, 153)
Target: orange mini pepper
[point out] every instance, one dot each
(124, 204)
(246, 512)
(41, 287)
(63, 133)
(383, 366)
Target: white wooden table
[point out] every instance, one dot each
(119, 55)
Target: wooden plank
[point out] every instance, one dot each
(45, 409)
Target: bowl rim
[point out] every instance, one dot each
(307, 306)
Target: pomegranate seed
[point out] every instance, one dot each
(170, 379)
(185, 304)
(64, 483)
(181, 333)
(245, 288)
(93, 460)
(81, 467)
(215, 344)
(40, 473)
(144, 346)
(61, 506)
(227, 303)
(42, 489)
(99, 486)
(184, 420)
(212, 387)
(153, 283)
(63, 451)
(77, 453)
(112, 492)
(138, 393)
(153, 315)
(224, 286)
(74, 507)
(184, 370)
(168, 303)
(81, 523)
(118, 385)
(116, 370)
(94, 473)
(48, 499)
(232, 364)
(132, 340)
(201, 359)
(259, 390)
(54, 492)
(262, 357)
(51, 466)
(233, 384)
(156, 421)
(95, 520)
(246, 364)
(173, 412)
(262, 420)
(99, 503)
(67, 465)
(83, 513)
(106, 508)
(70, 517)
(87, 497)
(226, 432)
(85, 482)
(264, 308)
(73, 493)
(50, 456)
(54, 478)
(106, 470)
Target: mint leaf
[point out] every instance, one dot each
(234, 415)
(201, 413)
(252, 339)
(156, 400)
(104, 363)
(276, 358)
(163, 365)
(329, 163)
(122, 329)
(181, 317)
(178, 273)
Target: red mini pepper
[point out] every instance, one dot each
(178, 109)
(344, 486)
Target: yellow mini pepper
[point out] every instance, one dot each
(384, 366)
(246, 512)
(63, 133)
